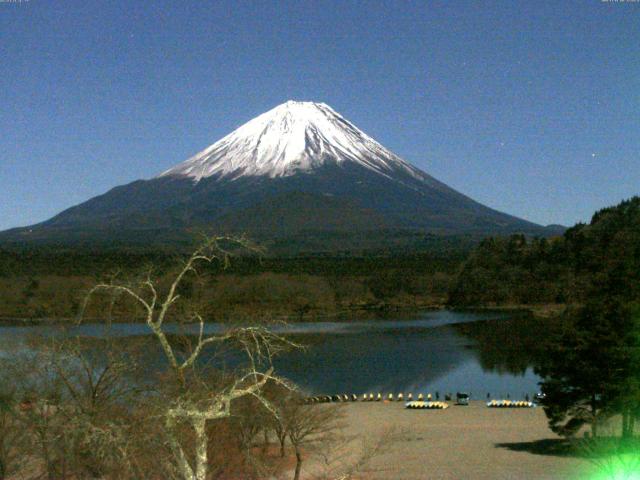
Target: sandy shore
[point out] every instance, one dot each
(473, 442)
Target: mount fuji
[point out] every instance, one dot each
(298, 169)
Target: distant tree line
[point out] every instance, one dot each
(49, 281)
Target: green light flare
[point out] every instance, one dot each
(617, 467)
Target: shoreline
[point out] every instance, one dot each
(345, 316)
(547, 310)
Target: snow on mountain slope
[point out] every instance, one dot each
(293, 137)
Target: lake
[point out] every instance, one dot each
(438, 351)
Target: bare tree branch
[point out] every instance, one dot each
(258, 344)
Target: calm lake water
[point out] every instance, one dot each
(441, 351)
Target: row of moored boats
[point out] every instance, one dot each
(510, 404)
(367, 397)
(421, 401)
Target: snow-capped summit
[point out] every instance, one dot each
(290, 138)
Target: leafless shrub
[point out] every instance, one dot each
(348, 458)
(10, 431)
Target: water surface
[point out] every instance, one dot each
(441, 351)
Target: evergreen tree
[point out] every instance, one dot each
(589, 371)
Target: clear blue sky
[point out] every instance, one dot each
(530, 107)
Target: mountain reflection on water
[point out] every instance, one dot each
(441, 351)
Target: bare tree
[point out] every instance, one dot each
(306, 426)
(76, 416)
(193, 404)
(351, 457)
(101, 389)
(41, 419)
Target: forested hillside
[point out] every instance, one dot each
(517, 270)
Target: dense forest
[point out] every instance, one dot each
(519, 271)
